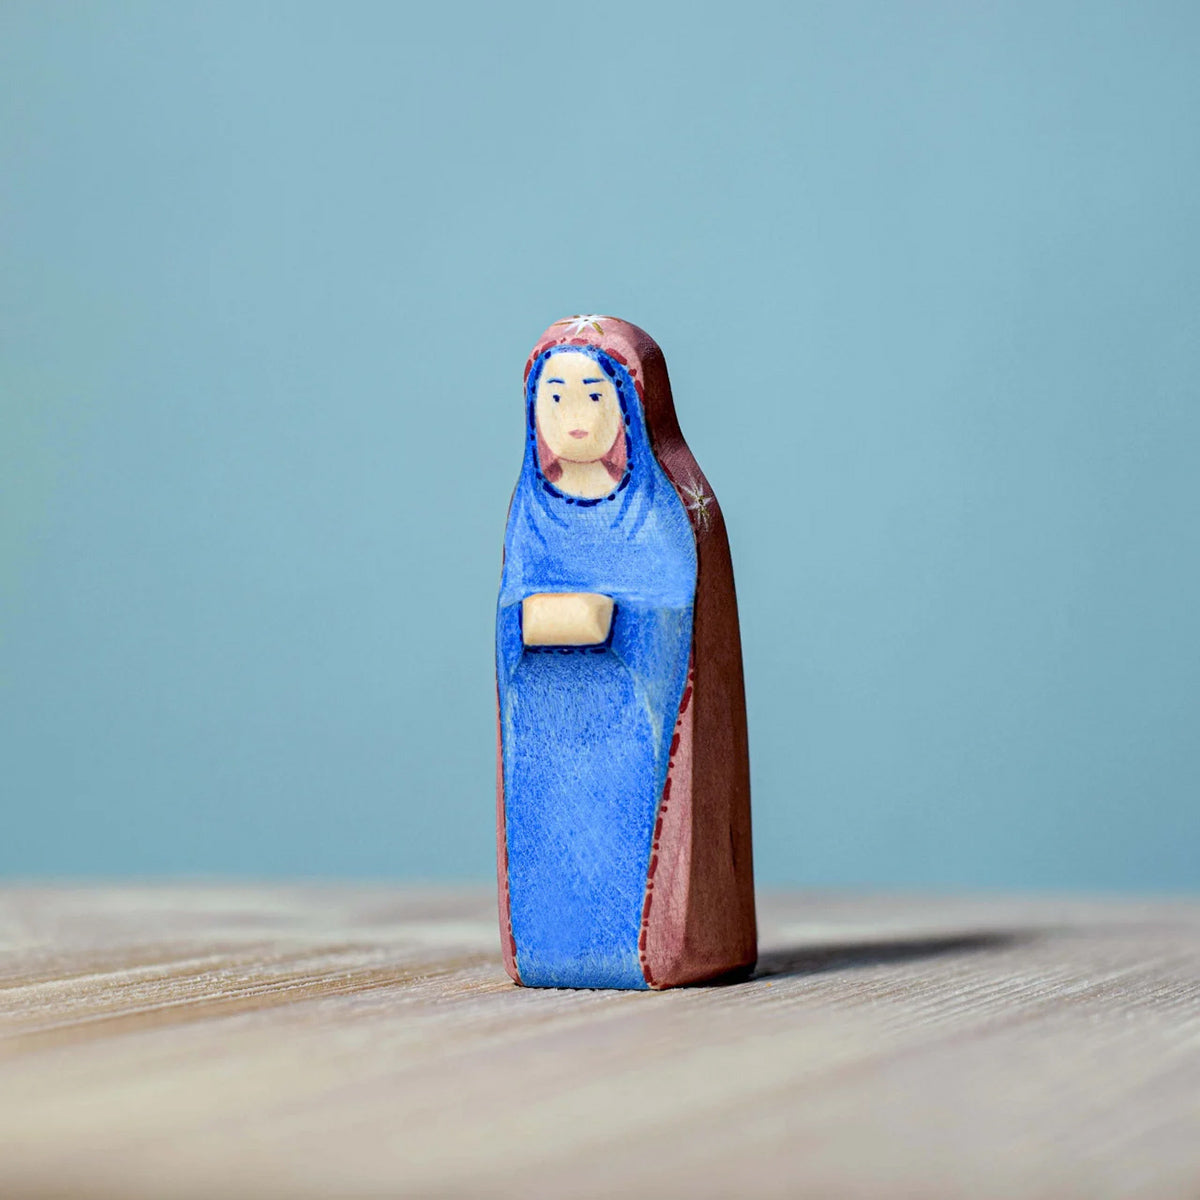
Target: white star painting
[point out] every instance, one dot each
(696, 500)
(579, 323)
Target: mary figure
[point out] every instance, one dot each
(623, 797)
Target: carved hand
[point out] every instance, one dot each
(566, 618)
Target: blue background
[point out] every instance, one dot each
(928, 281)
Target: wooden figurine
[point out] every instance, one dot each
(623, 783)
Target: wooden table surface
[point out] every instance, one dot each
(237, 1041)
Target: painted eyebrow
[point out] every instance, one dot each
(562, 381)
(593, 381)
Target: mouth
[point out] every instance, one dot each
(579, 433)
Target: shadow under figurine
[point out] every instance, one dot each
(623, 782)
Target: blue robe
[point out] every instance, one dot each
(586, 731)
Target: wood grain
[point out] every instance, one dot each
(313, 1041)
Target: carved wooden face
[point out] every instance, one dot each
(576, 406)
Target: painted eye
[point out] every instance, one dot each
(595, 395)
(557, 397)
